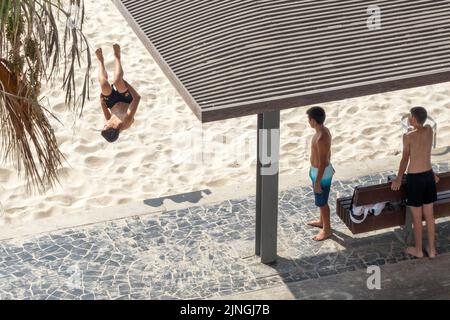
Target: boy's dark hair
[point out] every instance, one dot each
(318, 114)
(111, 134)
(420, 114)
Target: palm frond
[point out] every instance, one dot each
(31, 52)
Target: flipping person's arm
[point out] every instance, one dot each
(397, 183)
(135, 103)
(105, 109)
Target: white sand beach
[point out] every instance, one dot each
(168, 151)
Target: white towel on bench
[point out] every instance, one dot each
(363, 211)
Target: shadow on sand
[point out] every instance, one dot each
(191, 197)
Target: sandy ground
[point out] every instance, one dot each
(168, 151)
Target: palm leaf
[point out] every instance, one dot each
(31, 52)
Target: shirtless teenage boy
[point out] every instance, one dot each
(119, 100)
(321, 172)
(420, 180)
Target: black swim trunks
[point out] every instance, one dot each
(420, 189)
(116, 97)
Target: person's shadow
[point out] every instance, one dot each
(356, 254)
(191, 197)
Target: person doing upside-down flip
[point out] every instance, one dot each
(119, 100)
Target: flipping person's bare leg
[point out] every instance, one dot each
(118, 71)
(428, 212)
(102, 74)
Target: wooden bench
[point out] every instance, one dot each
(394, 215)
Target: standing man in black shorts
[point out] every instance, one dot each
(420, 181)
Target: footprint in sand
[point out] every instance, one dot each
(369, 131)
(97, 162)
(124, 155)
(65, 200)
(150, 158)
(148, 166)
(289, 147)
(124, 201)
(121, 169)
(183, 179)
(65, 172)
(352, 110)
(48, 212)
(354, 142)
(216, 183)
(337, 140)
(100, 201)
(85, 149)
(373, 107)
(148, 189)
(15, 211)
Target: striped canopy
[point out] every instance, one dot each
(230, 58)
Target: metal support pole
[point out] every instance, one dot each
(258, 189)
(267, 186)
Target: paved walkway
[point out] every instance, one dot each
(407, 280)
(199, 252)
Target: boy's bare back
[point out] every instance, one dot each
(420, 142)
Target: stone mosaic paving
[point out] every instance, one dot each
(200, 252)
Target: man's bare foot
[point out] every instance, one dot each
(316, 224)
(323, 236)
(116, 48)
(414, 252)
(99, 54)
(430, 253)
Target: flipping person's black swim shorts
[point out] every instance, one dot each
(116, 97)
(420, 189)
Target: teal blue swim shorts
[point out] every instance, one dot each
(321, 199)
